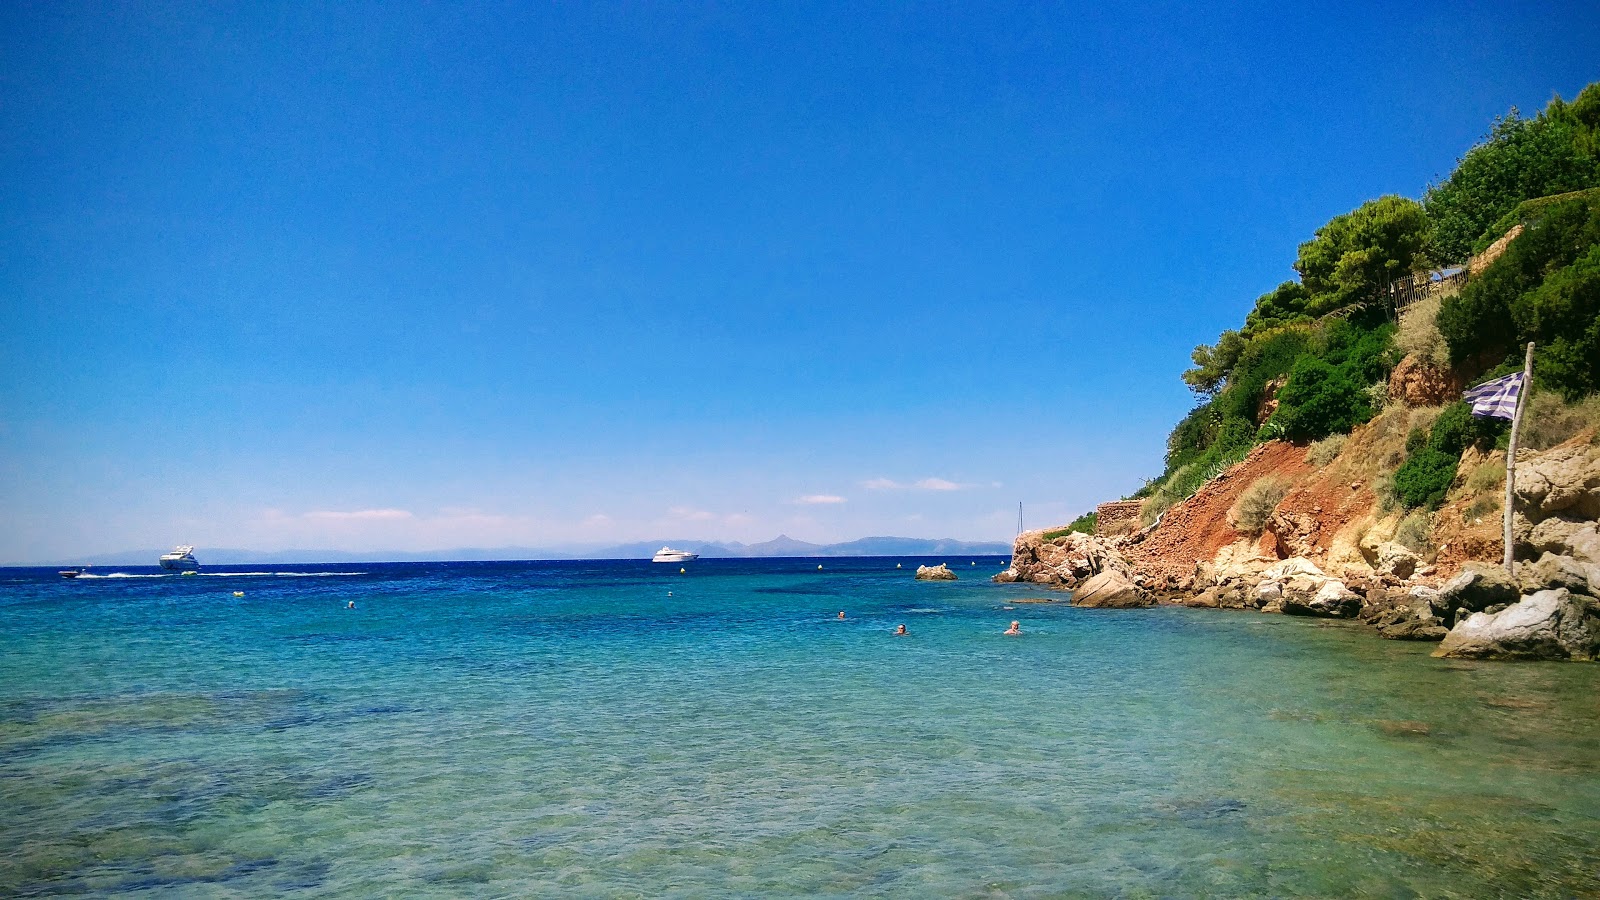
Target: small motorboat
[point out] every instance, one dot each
(71, 573)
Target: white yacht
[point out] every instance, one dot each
(669, 555)
(181, 559)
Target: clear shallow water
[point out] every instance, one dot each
(514, 729)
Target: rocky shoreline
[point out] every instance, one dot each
(1550, 610)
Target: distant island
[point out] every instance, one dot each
(782, 545)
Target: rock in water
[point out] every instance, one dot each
(1111, 590)
(1554, 624)
(941, 572)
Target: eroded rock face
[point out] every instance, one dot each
(1551, 571)
(1064, 561)
(941, 572)
(1564, 479)
(1553, 624)
(1478, 587)
(1416, 382)
(1396, 560)
(1554, 534)
(1111, 590)
(1332, 600)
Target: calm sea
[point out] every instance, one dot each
(620, 729)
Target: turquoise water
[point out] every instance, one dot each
(570, 729)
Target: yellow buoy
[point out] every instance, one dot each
(819, 567)
(897, 565)
(681, 571)
(238, 593)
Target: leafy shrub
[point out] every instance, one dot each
(1525, 212)
(1457, 428)
(1326, 450)
(1366, 354)
(1519, 160)
(1544, 288)
(1255, 506)
(1192, 436)
(1425, 478)
(1265, 357)
(1084, 524)
(1234, 435)
(1433, 456)
(1320, 400)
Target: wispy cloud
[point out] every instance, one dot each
(925, 484)
(690, 514)
(819, 499)
(358, 515)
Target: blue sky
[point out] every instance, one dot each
(416, 277)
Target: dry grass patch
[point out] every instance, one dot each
(1486, 477)
(1255, 506)
(1419, 335)
(1413, 532)
(1548, 420)
(1326, 450)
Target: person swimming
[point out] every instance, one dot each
(900, 630)
(841, 613)
(1016, 628)
(350, 605)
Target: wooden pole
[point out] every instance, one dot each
(1511, 452)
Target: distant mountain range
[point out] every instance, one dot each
(782, 545)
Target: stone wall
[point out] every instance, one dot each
(1115, 518)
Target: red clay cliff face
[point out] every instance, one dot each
(1417, 383)
(1194, 530)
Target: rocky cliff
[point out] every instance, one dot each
(1331, 549)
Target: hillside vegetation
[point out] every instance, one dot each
(1313, 357)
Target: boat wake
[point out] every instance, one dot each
(220, 575)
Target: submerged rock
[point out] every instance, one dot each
(1413, 615)
(941, 572)
(1554, 624)
(1111, 590)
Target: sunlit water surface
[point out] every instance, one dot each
(514, 729)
